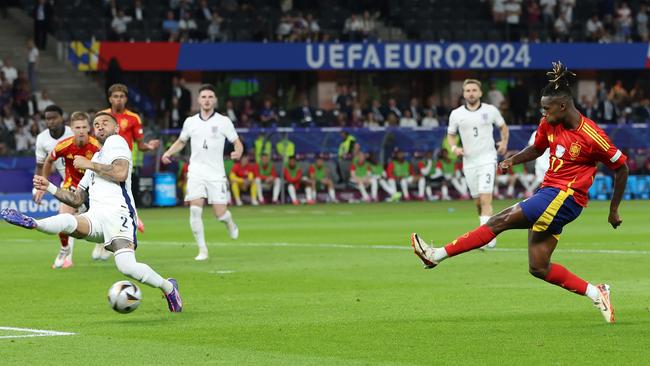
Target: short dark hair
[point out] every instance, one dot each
(53, 108)
(105, 114)
(559, 82)
(209, 87)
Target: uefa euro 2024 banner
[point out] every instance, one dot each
(23, 202)
(164, 56)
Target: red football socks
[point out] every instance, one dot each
(471, 240)
(64, 239)
(560, 276)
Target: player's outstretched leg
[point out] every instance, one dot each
(127, 264)
(431, 256)
(15, 217)
(603, 302)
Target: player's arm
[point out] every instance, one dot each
(177, 146)
(73, 199)
(46, 167)
(620, 181)
(117, 171)
(239, 150)
(525, 155)
(452, 139)
(502, 145)
(148, 146)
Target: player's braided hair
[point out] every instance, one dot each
(559, 81)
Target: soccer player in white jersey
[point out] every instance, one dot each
(206, 178)
(474, 122)
(111, 217)
(541, 164)
(45, 143)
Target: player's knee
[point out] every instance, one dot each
(538, 271)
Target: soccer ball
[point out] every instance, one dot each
(124, 296)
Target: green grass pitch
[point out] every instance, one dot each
(333, 285)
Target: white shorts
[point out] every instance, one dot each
(107, 225)
(215, 191)
(480, 179)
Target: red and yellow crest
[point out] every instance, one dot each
(124, 123)
(574, 150)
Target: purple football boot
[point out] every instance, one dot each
(174, 300)
(16, 218)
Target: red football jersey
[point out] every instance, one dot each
(130, 125)
(574, 155)
(67, 150)
(243, 171)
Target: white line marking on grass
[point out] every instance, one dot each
(226, 271)
(392, 247)
(389, 247)
(33, 333)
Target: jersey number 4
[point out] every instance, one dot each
(205, 144)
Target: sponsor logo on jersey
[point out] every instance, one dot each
(559, 151)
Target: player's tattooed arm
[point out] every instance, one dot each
(117, 171)
(74, 199)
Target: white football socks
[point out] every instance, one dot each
(483, 220)
(61, 223)
(196, 223)
(592, 292)
(127, 264)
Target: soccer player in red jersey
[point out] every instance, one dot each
(130, 127)
(81, 143)
(576, 144)
(242, 177)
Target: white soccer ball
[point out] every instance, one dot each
(124, 296)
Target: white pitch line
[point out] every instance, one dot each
(35, 333)
(383, 247)
(389, 247)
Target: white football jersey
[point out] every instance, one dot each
(476, 133)
(544, 161)
(208, 138)
(45, 143)
(106, 194)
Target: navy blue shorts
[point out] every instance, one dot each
(549, 209)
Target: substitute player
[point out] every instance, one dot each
(111, 217)
(474, 122)
(267, 176)
(206, 178)
(45, 143)
(130, 129)
(242, 178)
(80, 144)
(576, 145)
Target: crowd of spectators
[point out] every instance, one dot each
(612, 105)
(555, 20)
(300, 21)
(21, 102)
